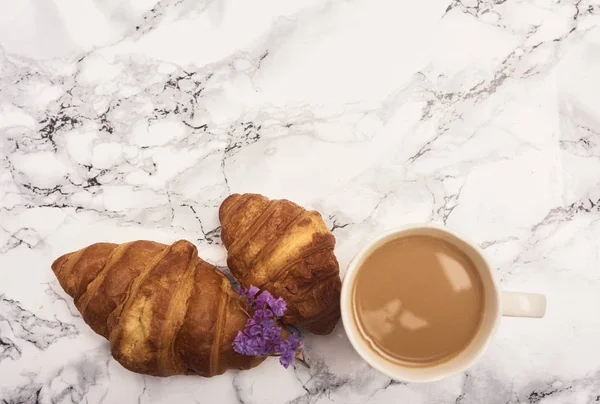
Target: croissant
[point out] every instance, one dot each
(164, 310)
(281, 247)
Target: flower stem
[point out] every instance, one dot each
(248, 314)
(302, 360)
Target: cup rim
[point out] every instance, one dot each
(352, 329)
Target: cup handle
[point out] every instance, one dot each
(518, 304)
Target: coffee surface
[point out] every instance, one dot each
(418, 300)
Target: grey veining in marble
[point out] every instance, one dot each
(124, 120)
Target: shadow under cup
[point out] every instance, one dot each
(457, 363)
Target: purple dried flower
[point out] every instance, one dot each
(278, 306)
(266, 300)
(239, 342)
(254, 330)
(261, 336)
(257, 346)
(288, 349)
(271, 333)
(296, 341)
(262, 315)
(263, 299)
(251, 322)
(286, 359)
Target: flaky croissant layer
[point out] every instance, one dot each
(164, 310)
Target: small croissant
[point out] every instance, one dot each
(164, 310)
(281, 247)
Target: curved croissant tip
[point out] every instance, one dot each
(226, 205)
(59, 262)
(185, 244)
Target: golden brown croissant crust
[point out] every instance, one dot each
(164, 310)
(281, 247)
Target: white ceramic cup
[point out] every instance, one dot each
(497, 303)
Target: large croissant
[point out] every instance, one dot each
(164, 310)
(281, 247)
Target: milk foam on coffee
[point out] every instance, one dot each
(418, 300)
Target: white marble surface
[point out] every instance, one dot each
(122, 120)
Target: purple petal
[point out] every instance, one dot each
(286, 359)
(295, 340)
(254, 330)
(278, 306)
(261, 315)
(264, 298)
(239, 336)
(255, 346)
(273, 345)
(240, 343)
(272, 333)
(284, 346)
(268, 323)
(252, 291)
